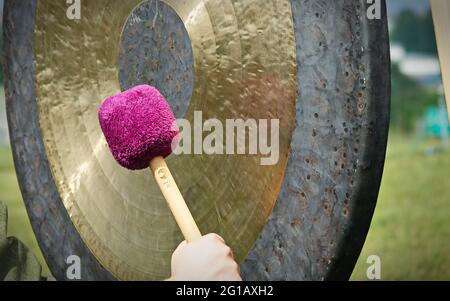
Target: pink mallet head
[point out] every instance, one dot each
(138, 125)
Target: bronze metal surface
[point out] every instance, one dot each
(245, 67)
(58, 70)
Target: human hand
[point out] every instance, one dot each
(207, 259)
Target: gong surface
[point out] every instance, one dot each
(321, 67)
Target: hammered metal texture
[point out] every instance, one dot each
(156, 50)
(325, 206)
(57, 237)
(245, 67)
(331, 182)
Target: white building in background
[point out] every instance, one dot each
(424, 68)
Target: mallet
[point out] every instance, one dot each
(140, 127)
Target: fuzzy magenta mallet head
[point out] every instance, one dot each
(138, 125)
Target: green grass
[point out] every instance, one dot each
(18, 223)
(410, 230)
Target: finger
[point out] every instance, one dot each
(215, 237)
(179, 250)
(231, 253)
(226, 251)
(181, 246)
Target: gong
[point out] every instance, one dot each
(320, 67)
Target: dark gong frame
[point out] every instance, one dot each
(328, 197)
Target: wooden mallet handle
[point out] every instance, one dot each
(175, 199)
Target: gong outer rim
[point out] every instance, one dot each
(56, 234)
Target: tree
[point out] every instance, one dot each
(409, 100)
(415, 32)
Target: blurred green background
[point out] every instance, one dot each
(410, 231)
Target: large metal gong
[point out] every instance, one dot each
(321, 67)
